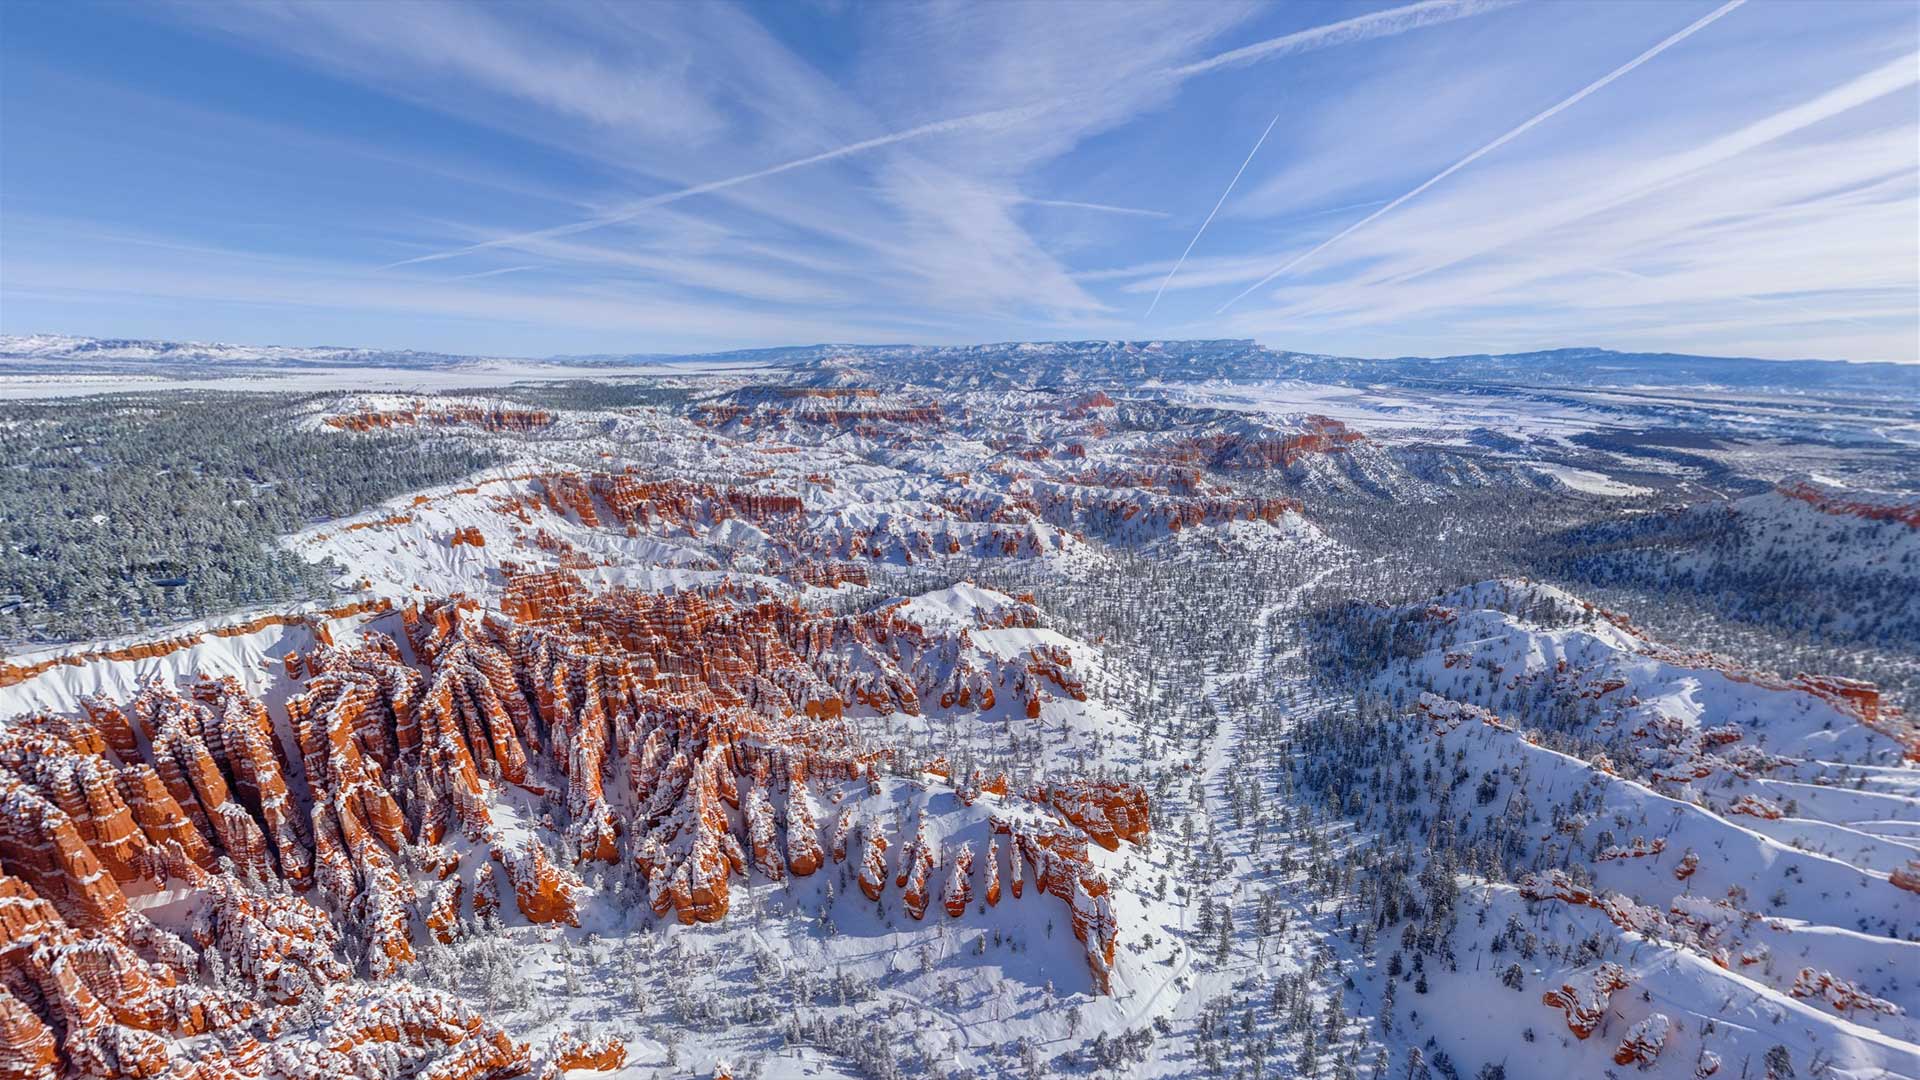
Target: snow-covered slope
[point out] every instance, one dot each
(1710, 835)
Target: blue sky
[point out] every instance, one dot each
(1439, 177)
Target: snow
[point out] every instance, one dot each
(1592, 483)
(1808, 888)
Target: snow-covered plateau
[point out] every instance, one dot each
(1157, 709)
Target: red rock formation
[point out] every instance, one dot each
(873, 864)
(542, 891)
(1583, 998)
(27, 1049)
(570, 1051)
(1643, 1041)
(803, 834)
(1322, 435)
(486, 892)
(94, 994)
(763, 835)
(13, 674)
(406, 1031)
(40, 845)
(680, 697)
(493, 418)
(1755, 806)
(1843, 995)
(280, 946)
(1638, 849)
(1907, 877)
(916, 867)
(959, 890)
(441, 914)
(1556, 885)
(1108, 812)
(1835, 501)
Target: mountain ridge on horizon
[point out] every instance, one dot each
(1014, 362)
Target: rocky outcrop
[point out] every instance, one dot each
(543, 892)
(1229, 452)
(1583, 998)
(27, 1047)
(873, 864)
(717, 714)
(959, 890)
(1842, 994)
(916, 867)
(441, 911)
(1906, 877)
(486, 418)
(1866, 505)
(402, 1031)
(1108, 812)
(570, 1051)
(803, 833)
(12, 674)
(1644, 1041)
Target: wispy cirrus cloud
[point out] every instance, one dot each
(1532, 122)
(1084, 105)
(727, 176)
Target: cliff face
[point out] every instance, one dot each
(1868, 506)
(1320, 435)
(721, 717)
(487, 418)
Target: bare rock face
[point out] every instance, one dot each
(486, 892)
(764, 836)
(1108, 813)
(494, 418)
(27, 1048)
(280, 946)
(543, 892)
(1838, 501)
(39, 842)
(106, 999)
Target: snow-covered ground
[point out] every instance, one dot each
(1520, 796)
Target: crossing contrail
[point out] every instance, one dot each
(1359, 28)
(635, 209)
(1216, 209)
(1539, 118)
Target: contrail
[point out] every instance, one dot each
(633, 210)
(1358, 28)
(1101, 207)
(494, 273)
(1698, 25)
(1216, 209)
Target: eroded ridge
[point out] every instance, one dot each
(293, 866)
